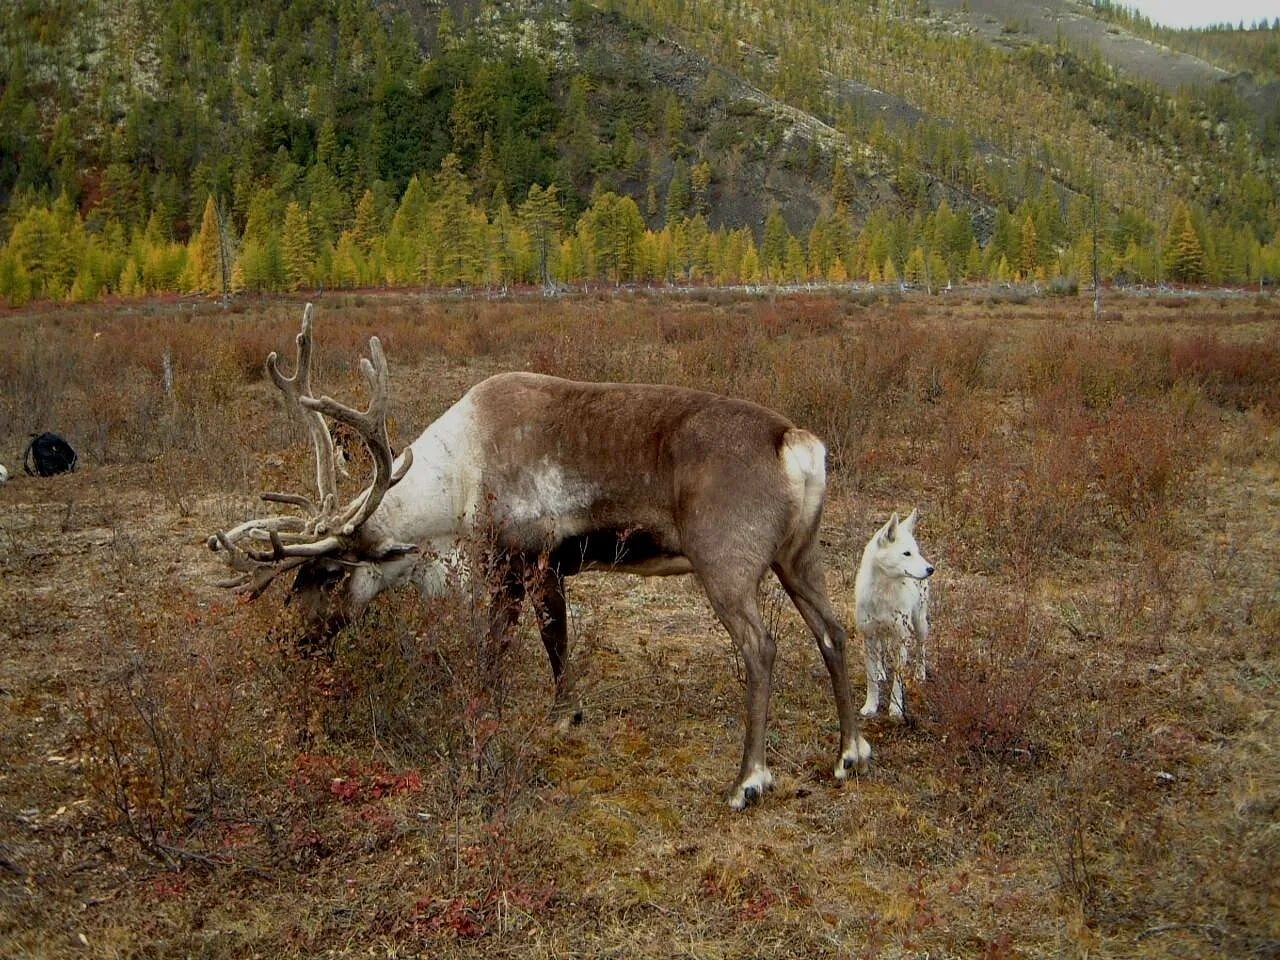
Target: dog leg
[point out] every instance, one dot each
(875, 675)
(920, 629)
(897, 704)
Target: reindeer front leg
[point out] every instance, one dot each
(504, 611)
(553, 621)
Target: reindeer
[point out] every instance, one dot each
(630, 478)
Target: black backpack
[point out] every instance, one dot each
(48, 454)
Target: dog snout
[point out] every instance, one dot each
(928, 571)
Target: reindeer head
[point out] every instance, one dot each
(325, 545)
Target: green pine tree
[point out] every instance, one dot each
(541, 215)
(365, 229)
(1184, 251)
(1029, 249)
(297, 247)
(679, 192)
(774, 250)
(914, 269)
(457, 255)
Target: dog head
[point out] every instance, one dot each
(896, 552)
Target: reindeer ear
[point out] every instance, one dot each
(910, 522)
(890, 530)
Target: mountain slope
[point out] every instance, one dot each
(1013, 22)
(852, 127)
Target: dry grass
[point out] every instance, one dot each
(1091, 772)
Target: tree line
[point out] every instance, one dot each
(440, 234)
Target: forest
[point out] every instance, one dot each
(341, 144)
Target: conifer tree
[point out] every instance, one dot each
(774, 250)
(49, 243)
(614, 227)
(326, 205)
(207, 253)
(297, 247)
(541, 216)
(1029, 249)
(680, 260)
(457, 254)
(15, 283)
(446, 31)
(696, 237)
(1184, 252)
(504, 244)
(749, 269)
(840, 234)
(344, 267)
(259, 264)
(914, 269)
(679, 192)
(365, 229)
(130, 284)
(939, 272)
(973, 261)
(794, 268)
(841, 191)
(700, 181)
(576, 132)
(407, 249)
(820, 247)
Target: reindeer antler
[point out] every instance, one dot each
(371, 425)
(327, 532)
(298, 389)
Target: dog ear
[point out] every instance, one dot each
(890, 529)
(910, 522)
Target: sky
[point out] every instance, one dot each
(1197, 13)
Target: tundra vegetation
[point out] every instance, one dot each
(1091, 772)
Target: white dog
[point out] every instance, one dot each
(892, 596)
(4, 474)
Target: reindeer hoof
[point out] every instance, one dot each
(565, 718)
(856, 758)
(752, 789)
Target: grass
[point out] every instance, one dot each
(1091, 772)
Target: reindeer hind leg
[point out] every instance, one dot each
(801, 576)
